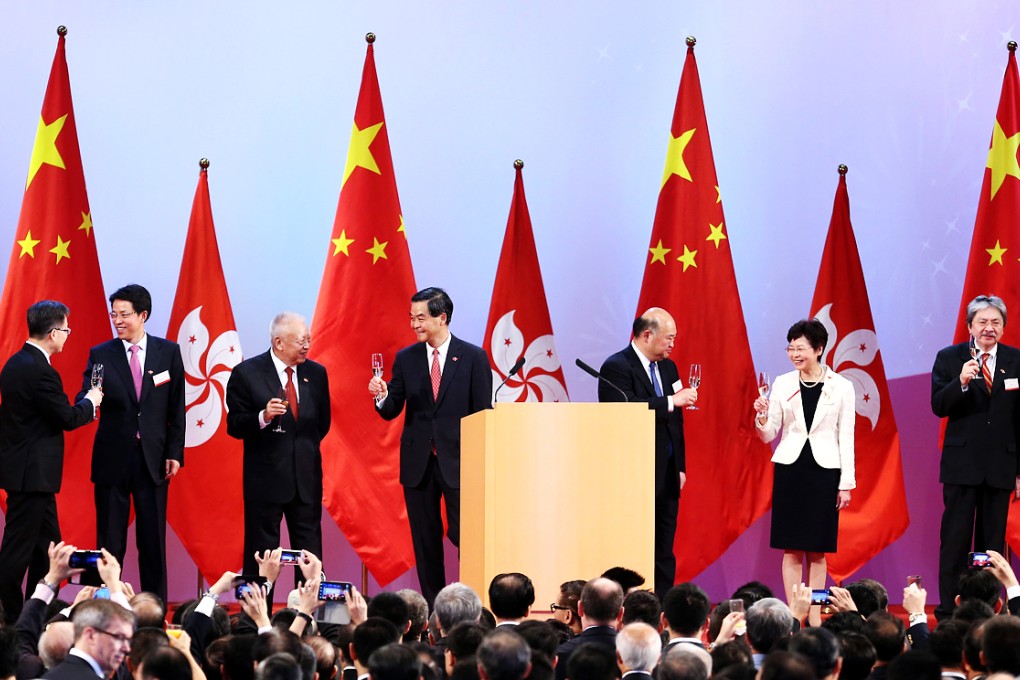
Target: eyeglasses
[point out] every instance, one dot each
(793, 350)
(62, 330)
(122, 639)
(299, 341)
(123, 315)
(553, 607)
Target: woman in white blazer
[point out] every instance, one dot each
(813, 469)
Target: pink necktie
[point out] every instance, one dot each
(136, 370)
(986, 372)
(436, 375)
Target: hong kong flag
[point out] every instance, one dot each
(519, 325)
(206, 504)
(877, 515)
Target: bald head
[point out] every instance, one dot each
(654, 333)
(55, 642)
(601, 603)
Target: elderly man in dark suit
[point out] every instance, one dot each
(975, 385)
(139, 443)
(645, 374)
(34, 413)
(441, 379)
(278, 405)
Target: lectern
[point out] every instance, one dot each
(557, 491)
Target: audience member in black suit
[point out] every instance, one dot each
(600, 608)
(914, 664)
(394, 661)
(31, 622)
(440, 380)
(638, 647)
(1001, 645)
(591, 661)
(139, 443)
(769, 620)
(371, 635)
(34, 413)
(685, 611)
(503, 655)
(821, 648)
(643, 606)
(102, 639)
(544, 641)
(564, 609)
(979, 468)
(645, 374)
(510, 597)
(888, 634)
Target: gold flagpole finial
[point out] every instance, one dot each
(518, 164)
(203, 163)
(691, 41)
(370, 38)
(842, 169)
(1011, 46)
(62, 31)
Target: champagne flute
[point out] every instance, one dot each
(377, 371)
(281, 394)
(763, 388)
(97, 382)
(694, 381)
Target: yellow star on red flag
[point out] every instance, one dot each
(28, 245)
(675, 164)
(341, 243)
(659, 253)
(716, 234)
(359, 155)
(44, 151)
(86, 224)
(995, 254)
(60, 250)
(688, 258)
(378, 250)
(1002, 160)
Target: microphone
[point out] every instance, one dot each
(595, 374)
(512, 373)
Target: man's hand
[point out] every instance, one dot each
(109, 571)
(274, 408)
(685, 397)
(683, 480)
(269, 563)
(85, 594)
(224, 584)
(840, 599)
(308, 595)
(253, 602)
(727, 631)
(311, 566)
(171, 467)
(914, 599)
(800, 602)
(128, 589)
(1000, 567)
(969, 371)
(60, 563)
(95, 395)
(377, 387)
(358, 607)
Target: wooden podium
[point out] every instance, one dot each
(557, 491)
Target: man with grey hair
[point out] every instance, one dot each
(418, 609)
(682, 664)
(503, 655)
(102, 639)
(455, 603)
(278, 405)
(974, 384)
(600, 608)
(638, 646)
(768, 621)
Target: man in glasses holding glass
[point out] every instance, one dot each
(139, 443)
(976, 386)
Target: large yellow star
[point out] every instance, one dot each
(28, 245)
(86, 223)
(359, 155)
(378, 250)
(1002, 157)
(659, 253)
(716, 235)
(60, 250)
(342, 243)
(688, 258)
(996, 253)
(44, 151)
(675, 164)
(401, 228)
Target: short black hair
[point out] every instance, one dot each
(143, 642)
(811, 330)
(973, 611)
(732, 653)
(972, 643)
(511, 595)
(858, 656)
(464, 638)
(946, 642)
(165, 663)
(865, 598)
(643, 606)
(439, 302)
(394, 661)
(591, 661)
(686, 608)
(137, 295)
(274, 642)
(887, 633)
(238, 656)
(1002, 644)
(819, 646)
(784, 665)
(373, 633)
(278, 666)
(751, 592)
(915, 665)
(842, 623)
(44, 316)
(979, 584)
(391, 607)
(540, 636)
(627, 578)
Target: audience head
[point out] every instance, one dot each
(455, 603)
(751, 592)
(1001, 645)
(418, 612)
(103, 630)
(915, 665)
(887, 633)
(601, 602)
(462, 642)
(164, 663)
(858, 656)
(768, 620)
(278, 666)
(641, 606)
(394, 662)
(979, 584)
(627, 578)
(841, 623)
(541, 637)
(511, 596)
(820, 647)
(733, 653)
(325, 656)
(55, 642)
(149, 610)
(590, 661)
(274, 642)
(973, 662)
(946, 643)
(784, 665)
(973, 611)
(144, 641)
(865, 598)
(565, 607)
(685, 610)
(715, 619)
(237, 660)
(503, 655)
(638, 647)
(879, 590)
(391, 607)
(373, 633)
(682, 664)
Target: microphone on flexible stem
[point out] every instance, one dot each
(595, 374)
(512, 373)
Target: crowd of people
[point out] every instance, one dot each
(604, 628)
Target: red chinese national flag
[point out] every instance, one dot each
(362, 309)
(689, 273)
(54, 257)
(206, 506)
(993, 267)
(878, 514)
(519, 324)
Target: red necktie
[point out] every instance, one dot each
(986, 373)
(436, 375)
(291, 392)
(136, 370)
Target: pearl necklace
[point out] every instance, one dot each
(815, 383)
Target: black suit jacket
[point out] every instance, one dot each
(599, 635)
(981, 443)
(624, 369)
(30, 626)
(34, 413)
(158, 416)
(278, 464)
(466, 388)
(73, 667)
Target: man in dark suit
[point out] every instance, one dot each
(441, 379)
(645, 374)
(34, 413)
(278, 405)
(638, 646)
(980, 396)
(601, 609)
(102, 640)
(139, 443)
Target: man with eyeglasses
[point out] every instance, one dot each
(976, 386)
(34, 413)
(102, 640)
(278, 405)
(139, 443)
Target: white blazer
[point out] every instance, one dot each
(832, 428)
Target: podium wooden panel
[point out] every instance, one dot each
(557, 491)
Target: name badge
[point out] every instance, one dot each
(164, 377)
(1012, 384)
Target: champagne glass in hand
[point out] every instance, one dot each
(281, 394)
(97, 381)
(377, 371)
(694, 381)
(763, 388)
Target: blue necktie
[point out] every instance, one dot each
(655, 380)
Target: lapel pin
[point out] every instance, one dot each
(150, 372)
(304, 379)
(454, 358)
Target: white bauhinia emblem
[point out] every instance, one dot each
(859, 347)
(208, 368)
(535, 378)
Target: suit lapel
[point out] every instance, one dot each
(826, 400)
(119, 363)
(642, 377)
(1003, 367)
(155, 353)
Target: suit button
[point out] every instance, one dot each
(139, 414)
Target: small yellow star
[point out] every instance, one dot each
(342, 243)
(60, 250)
(675, 164)
(688, 258)
(378, 250)
(28, 245)
(716, 235)
(401, 228)
(44, 151)
(996, 253)
(659, 253)
(718, 195)
(1002, 157)
(86, 223)
(358, 154)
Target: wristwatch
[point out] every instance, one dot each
(915, 619)
(55, 587)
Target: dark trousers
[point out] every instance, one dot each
(262, 529)
(667, 503)
(426, 520)
(113, 511)
(977, 512)
(30, 525)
